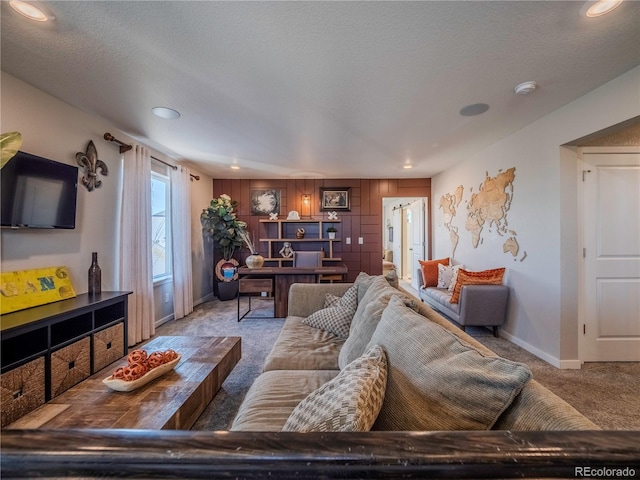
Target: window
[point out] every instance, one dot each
(160, 225)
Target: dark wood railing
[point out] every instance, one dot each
(383, 455)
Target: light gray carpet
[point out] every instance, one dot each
(607, 393)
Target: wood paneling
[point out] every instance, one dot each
(364, 219)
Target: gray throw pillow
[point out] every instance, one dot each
(336, 318)
(438, 382)
(348, 403)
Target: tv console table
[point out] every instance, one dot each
(45, 350)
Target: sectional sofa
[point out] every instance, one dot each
(431, 375)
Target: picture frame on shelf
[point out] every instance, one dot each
(265, 202)
(335, 198)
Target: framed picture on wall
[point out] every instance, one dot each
(335, 198)
(264, 202)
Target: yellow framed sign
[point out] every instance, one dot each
(30, 288)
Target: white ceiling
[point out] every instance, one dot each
(319, 88)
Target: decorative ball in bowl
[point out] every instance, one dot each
(141, 368)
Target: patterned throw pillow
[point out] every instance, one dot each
(337, 318)
(348, 403)
(485, 277)
(447, 275)
(430, 271)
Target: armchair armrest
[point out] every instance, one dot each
(483, 305)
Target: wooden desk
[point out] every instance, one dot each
(173, 401)
(285, 276)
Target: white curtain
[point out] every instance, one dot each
(136, 267)
(181, 242)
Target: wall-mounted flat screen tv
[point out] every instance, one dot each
(38, 193)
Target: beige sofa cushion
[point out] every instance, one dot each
(302, 347)
(367, 316)
(273, 396)
(349, 402)
(364, 281)
(337, 313)
(438, 382)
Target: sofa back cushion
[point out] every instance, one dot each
(364, 281)
(367, 316)
(438, 382)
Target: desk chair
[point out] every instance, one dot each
(307, 259)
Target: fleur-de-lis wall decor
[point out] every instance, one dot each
(91, 164)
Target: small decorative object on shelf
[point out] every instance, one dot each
(95, 276)
(300, 233)
(293, 215)
(273, 216)
(332, 215)
(331, 231)
(286, 251)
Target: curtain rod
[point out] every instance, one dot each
(124, 147)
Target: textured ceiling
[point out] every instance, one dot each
(319, 89)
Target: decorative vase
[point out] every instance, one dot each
(254, 260)
(95, 276)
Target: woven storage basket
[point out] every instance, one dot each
(70, 365)
(108, 346)
(22, 390)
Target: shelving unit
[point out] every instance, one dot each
(315, 238)
(47, 349)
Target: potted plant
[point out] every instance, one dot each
(220, 223)
(331, 231)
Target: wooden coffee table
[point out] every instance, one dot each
(172, 401)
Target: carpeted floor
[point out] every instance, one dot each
(606, 393)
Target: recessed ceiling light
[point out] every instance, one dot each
(29, 10)
(235, 167)
(165, 112)
(475, 109)
(601, 7)
(407, 166)
(525, 88)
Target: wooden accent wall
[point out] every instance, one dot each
(364, 220)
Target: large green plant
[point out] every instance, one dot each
(219, 221)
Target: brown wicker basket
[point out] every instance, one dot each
(70, 365)
(108, 346)
(22, 390)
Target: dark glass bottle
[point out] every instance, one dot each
(95, 275)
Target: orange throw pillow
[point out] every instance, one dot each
(485, 277)
(430, 271)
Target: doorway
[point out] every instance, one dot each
(404, 234)
(610, 319)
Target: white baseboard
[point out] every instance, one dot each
(562, 364)
(164, 320)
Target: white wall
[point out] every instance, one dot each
(53, 129)
(543, 306)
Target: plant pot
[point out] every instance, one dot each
(254, 261)
(332, 235)
(227, 290)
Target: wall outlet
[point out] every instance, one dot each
(166, 297)
(360, 240)
(348, 240)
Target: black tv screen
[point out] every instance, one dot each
(38, 193)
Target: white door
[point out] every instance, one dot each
(396, 222)
(611, 250)
(417, 239)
